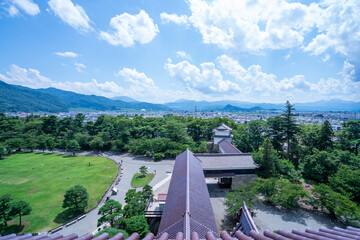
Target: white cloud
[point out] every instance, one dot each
(28, 6)
(167, 18)
(339, 29)
(287, 56)
(206, 79)
(80, 67)
(252, 84)
(74, 15)
(183, 55)
(249, 25)
(130, 28)
(67, 54)
(13, 11)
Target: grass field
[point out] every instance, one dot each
(140, 180)
(42, 179)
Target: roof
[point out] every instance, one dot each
(187, 208)
(222, 127)
(323, 233)
(226, 147)
(231, 161)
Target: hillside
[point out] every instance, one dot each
(20, 99)
(231, 108)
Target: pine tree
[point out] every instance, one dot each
(325, 136)
(290, 126)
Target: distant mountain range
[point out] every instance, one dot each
(14, 98)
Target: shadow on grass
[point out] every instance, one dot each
(66, 216)
(5, 230)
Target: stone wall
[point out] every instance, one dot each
(242, 179)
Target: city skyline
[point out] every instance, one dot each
(257, 51)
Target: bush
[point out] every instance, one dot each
(159, 156)
(137, 224)
(112, 232)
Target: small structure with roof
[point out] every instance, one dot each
(222, 132)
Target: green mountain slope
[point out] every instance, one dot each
(15, 98)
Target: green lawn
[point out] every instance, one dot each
(140, 180)
(42, 179)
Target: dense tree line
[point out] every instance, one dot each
(153, 137)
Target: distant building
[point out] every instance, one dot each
(222, 132)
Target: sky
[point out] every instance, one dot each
(162, 51)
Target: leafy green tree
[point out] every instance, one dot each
(20, 208)
(5, 205)
(351, 135)
(83, 139)
(50, 143)
(76, 198)
(135, 204)
(110, 212)
(175, 130)
(289, 195)
(325, 136)
(290, 125)
(97, 143)
(338, 205)
(112, 232)
(30, 142)
(234, 200)
(276, 132)
(257, 130)
(320, 165)
(3, 152)
(15, 144)
(73, 146)
(309, 137)
(143, 170)
(347, 182)
(137, 224)
(41, 142)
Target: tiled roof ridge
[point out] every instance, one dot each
(168, 228)
(223, 141)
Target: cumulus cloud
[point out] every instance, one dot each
(183, 55)
(67, 54)
(129, 29)
(206, 79)
(72, 14)
(27, 6)
(167, 18)
(252, 83)
(249, 25)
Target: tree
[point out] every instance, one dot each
(320, 165)
(97, 143)
(76, 198)
(137, 224)
(289, 194)
(3, 152)
(42, 143)
(73, 146)
(20, 208)
(268, 159)
(338, 205)
(276, 132)
(143, 170)
(5, 208)
(110, 212)
(50, 144)
(290, 126)
(147, 193)
(325, 136)
(135, 204)
(347, 182)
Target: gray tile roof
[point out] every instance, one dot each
(226, 147)
(218, 161)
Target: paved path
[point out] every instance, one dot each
(130, 166)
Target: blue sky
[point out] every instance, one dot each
(161, 51)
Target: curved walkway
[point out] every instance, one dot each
(129, 166)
